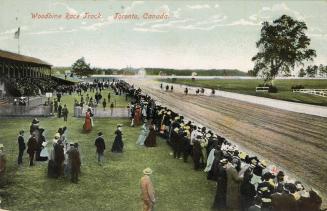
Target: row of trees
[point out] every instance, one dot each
(313, 71)
(199, 72)
(82, 68)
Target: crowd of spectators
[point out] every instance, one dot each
(244, 182)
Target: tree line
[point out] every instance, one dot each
(313, 71)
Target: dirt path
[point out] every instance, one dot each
(296, 142)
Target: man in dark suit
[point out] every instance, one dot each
(31, 147)
(101, 146)
(21, 147)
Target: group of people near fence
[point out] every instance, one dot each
(64, 157)
(244, 182)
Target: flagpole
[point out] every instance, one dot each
(18, 45)
(18, 37)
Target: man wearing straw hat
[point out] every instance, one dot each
(147, 190)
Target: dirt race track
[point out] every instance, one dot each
(296, 142)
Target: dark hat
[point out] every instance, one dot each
(280, 174)
(21, 131)
(119, 125)
(35, 121)
(100, 133)
(267, 176)
(290, 187)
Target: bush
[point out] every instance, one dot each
(272, 89)
(298, 86)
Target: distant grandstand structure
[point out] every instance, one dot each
(22, 75)
(14, 65)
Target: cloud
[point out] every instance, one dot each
(177, 13)
(278, 7)
(149, 22)
(198, 6)
(318, 35)
(281, 7)
(147, 29)
(202, 28)
(134, 4)
(68, 8)
(99, 25)
(61, 30)
(315, 29)
(243, 22)
(212, 20)
(170, 23)
(163, 8)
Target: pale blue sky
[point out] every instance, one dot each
(197, 34)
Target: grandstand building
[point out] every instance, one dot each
(17, 68)
(14, 65)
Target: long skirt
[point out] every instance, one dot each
(142, 138)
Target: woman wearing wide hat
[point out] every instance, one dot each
(118, 144)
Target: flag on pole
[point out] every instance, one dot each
(17, 33)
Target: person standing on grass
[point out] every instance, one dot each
(109, 97)
(118, 145)
(104, 104)
(59, 110)
(65, 112)
(101, 146)
(87, 123)
(55, 105)
(74, 162)
(111, 108)
(148, 195)
(21, 147)
(31, 147)
(150, 140)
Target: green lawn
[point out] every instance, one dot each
(113, 186)
(248, 87)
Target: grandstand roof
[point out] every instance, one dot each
(21, 58)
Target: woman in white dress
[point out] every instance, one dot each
(143, 134)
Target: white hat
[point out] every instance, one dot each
(147, 171)
(57, 136)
